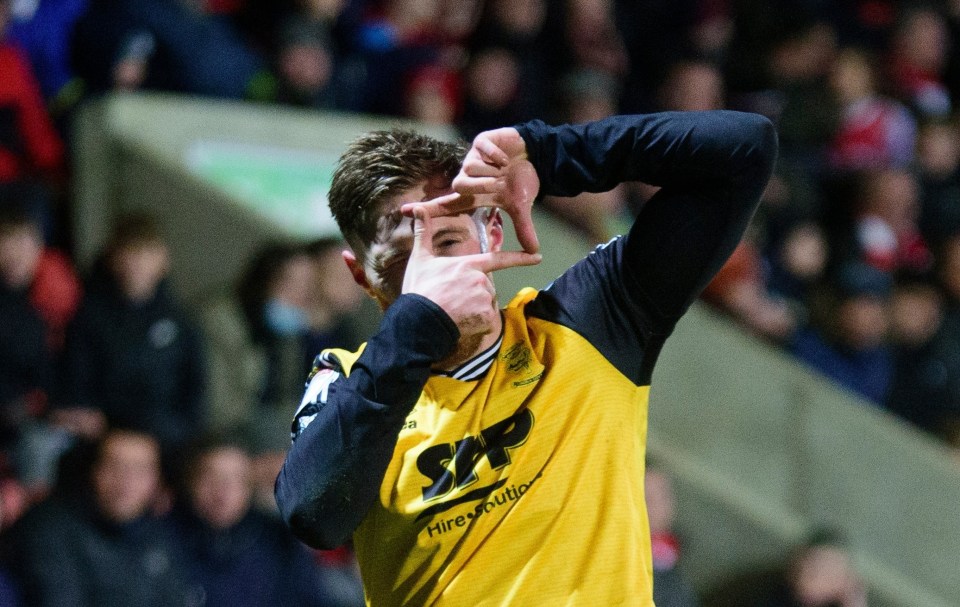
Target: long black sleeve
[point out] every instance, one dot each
(712, 168)
(333, 471)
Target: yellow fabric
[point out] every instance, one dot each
(551, 507)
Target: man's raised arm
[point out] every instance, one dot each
(712, 168)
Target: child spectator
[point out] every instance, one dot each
(132, 355)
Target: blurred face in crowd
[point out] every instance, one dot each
(139, 269)
(823, 576)
(20, 249)
(521, 17)
(863, 321)
(294, 283)
(924, 40)
(894, 196)
(938, 150)
(306, 67)
(916, 314)
(693, 86)
(126, 476)
(221, 487)
(804, 251)
(493, 78)
(852, 76)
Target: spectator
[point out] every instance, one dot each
(44, 29)
(887, 223)
(926, 382)
(875, 132)
(740, 289)
(797, 267)
(819, 574)
(492, 91)
(671, 586)
(938, 156)
(590, 95)
(167, 45)
(848, 341)
(692, 86)
(519, 26)
(133, 357)
(920, 47)
(101, 546)
(31, 152)
(38, 284)
(237, 556)
(26, 360)
(258, 342)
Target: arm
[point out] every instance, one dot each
(333, 471)
(712, 168)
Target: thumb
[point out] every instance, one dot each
(526, 232)
(422, 234)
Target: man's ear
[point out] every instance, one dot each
(356, 269)
(494, 227)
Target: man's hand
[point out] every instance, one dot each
(496, 173)
(458, 284)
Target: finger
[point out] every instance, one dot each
(526, 232)
(490, 152)
(473, 167)
(448, 204)
(466, 184)
(501, 260)
(422, 234)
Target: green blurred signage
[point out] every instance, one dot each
(284, 185)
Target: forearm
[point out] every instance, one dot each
(334, 469)
(670, 149)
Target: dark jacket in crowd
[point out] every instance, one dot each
(63, 553)
(254, 563)
(25, 364)
(143, 364)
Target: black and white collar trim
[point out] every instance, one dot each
(476, 367)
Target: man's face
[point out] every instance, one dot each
(385, 260)
(126, 476)
(222, 487)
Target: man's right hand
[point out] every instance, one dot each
(496, 173)
(459, 284)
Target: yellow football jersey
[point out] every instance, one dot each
(524, 487)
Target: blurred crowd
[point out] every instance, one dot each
(142, 438)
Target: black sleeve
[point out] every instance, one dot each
(712, 168)
(333, 471)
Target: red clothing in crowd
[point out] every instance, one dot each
(28, 141)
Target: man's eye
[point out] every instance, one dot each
(445, 244)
